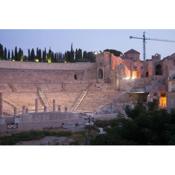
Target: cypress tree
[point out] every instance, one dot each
(45, 55)
(8, 54)
(16, 53)
(5, 54)
(20, 55)
(1, 51)
(84, 56)
(12, 57)
(32, 55)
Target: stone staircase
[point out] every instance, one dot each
(94, 99)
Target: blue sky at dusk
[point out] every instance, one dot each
(90, 40)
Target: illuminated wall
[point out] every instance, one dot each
(134, 74)
(115, 61)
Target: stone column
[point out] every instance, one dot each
(1, 106)
(23, 109)
(15, 111)
(26, 110)
(54, 105)
(59, 108)
(45, 108)
(36, 105)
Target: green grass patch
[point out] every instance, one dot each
(31, 135)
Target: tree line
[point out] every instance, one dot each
(39, 55)
(144, 126)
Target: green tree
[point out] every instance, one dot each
(5, 54)
(78, 55)
(8, 57)
(115, 52)
(69, 57)
(1, 51)
(44, 55)
(12, 55)
(16, 54)
(142, 127)
(20, 55)
(32, 54)
(90, 57)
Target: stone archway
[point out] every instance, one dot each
(100, 74)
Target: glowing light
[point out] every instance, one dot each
(133, 78)
(49, 61)
(126, 78)
(129, 78)
(134, 75)
(37, 60)
(163, 102)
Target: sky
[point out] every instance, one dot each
(59, 40)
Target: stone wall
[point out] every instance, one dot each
(171, 100)
(28, 72)
(44, 76)
(45, 66)
(38, 121)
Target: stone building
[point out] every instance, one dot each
(155, 76)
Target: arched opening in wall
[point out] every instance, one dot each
(158, 70)
(134, 74)
(75, 76)
(100, 74)
(147, 74)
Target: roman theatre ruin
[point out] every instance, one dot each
(104, 87)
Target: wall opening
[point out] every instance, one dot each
(100, 74)
(134, 74)
(163, 100)
(75, 76)
(158, 70)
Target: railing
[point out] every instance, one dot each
(9, 103)
(80, 98)
(43, 98)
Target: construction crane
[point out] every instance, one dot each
(144, 39)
